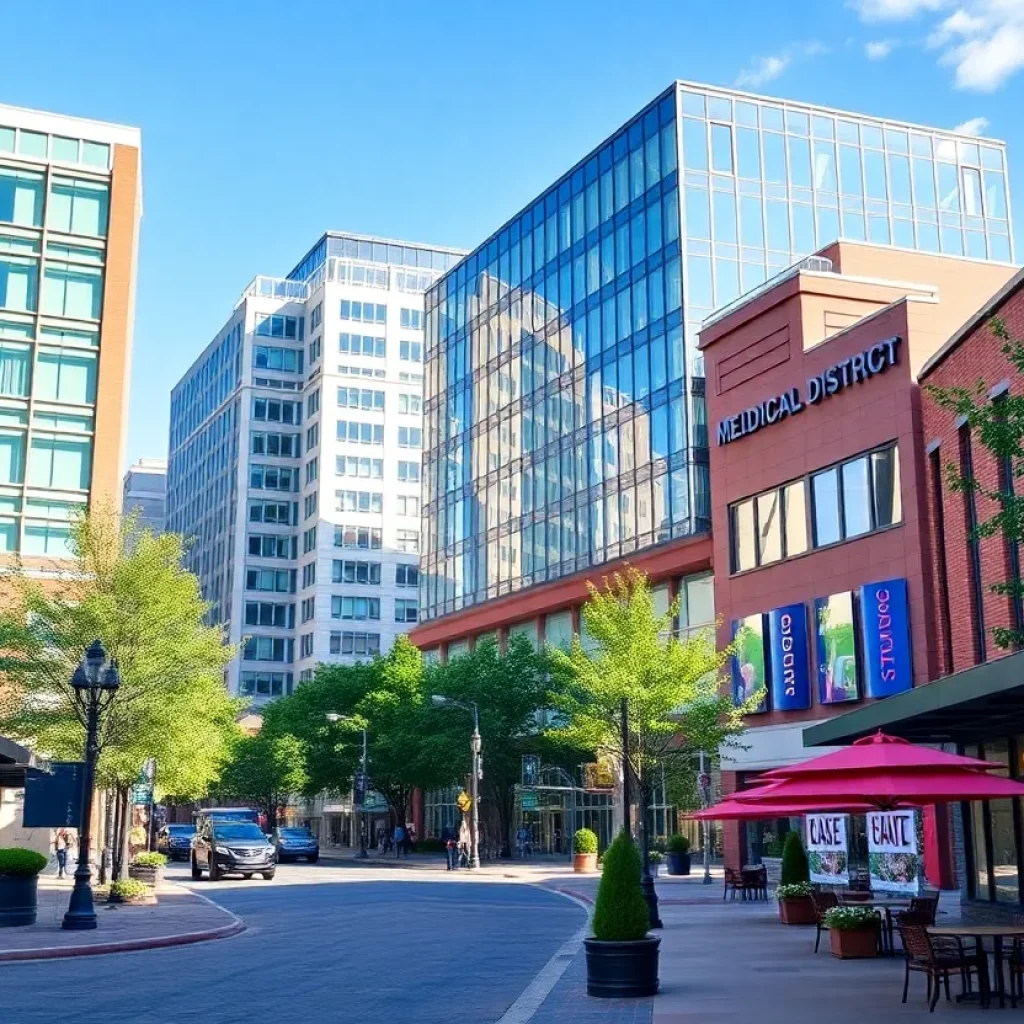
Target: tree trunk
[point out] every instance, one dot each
(108, 837)
(122, 795)
(272, 813)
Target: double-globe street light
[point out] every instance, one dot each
(359, 789)
(94, 684)
(475, 773)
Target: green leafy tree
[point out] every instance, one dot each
(795, 868)
(265, 770)
(131, 591)
(999, 427)
(677, 705)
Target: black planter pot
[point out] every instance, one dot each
(18, 900)
(622, 970)
(678, 863)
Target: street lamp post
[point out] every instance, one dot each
(643, 782)
(361, 788)
(475, 773)
(704, 791)
(94, 683)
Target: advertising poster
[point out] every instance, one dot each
(748, 663)
(837, 649)
(892, 851)
(788, 658)
(826, 849)
(885, 638)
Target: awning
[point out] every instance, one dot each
(976, 704)
(15, 760)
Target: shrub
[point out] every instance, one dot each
(678, 843)
(794, 861)
(656, 856)
(793, 891)
(585, 841)
(620, 913)
(847, 919)
(18, 861)
(149, 860)
(129, 889)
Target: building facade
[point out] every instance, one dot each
(301, 423)
(145, 492)
(70, 206)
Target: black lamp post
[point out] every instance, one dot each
(643, 783)
(95, 682)
(476, 772)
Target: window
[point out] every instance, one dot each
(355, 572)
(273, 410)
(72, 290)
(312, 437)
(273, 478)
(362, 345)
(411, 351)
(283, 445)
(315, 351)
(12, 459)
(78, 207)
(367, 312)
(271, 546)
(274, 326)
(64, 375)
(267, 613)
(355, 643)
(267, 684)
(308, 608)
(309, 540)
(973, 544)
(310, 503)
(316, 317)
(313, 403)
(19, 282)
(407, 576)
(360, 398)
(306, 645)
(410, 404)
(359, 501)
(308, 574)
(409, 472)
(267, 648)
(412, 318)
(364, 537)
(49, 539)
(406, 610)
(278, 581)
(408, 541)
(360, 433)
(312, 470)
(280, 512)
(407, 505)
(359, 608)
(15, 361)
(825, 495)
(21, 197)
(410, 437)
(60, 462)
(288, 360)
(352, 465)
(942, 576)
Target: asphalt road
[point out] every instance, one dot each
(324, 943)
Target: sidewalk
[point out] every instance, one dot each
(180, 918)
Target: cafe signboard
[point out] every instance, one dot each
(827, 853)
(892, 851)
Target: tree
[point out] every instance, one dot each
(129, 590)
(265, 770)
(671, 685)
(999, 426)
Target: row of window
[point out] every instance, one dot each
(273, 478)
(412, 404)
(272, 546)
(69, 290)
(276, 410)
(362, 345)
(368, 609)
(61, 374)
(355, 643)
(366, 312)
(268, 648)
(845, 501)
(411, 318)
(265, 684)
(360, 398)
(274, 325)
(351, 465)
(76, 206)
(269, 613)
(360, 433)
(281, 513)
(266, 357)
(284, 445)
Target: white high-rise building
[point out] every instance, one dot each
(294, 460)
(144, 492)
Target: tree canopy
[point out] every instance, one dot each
(265, 770)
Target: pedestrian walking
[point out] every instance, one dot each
(399, 839)
(464, 844)
(61, 845)
(410, 838)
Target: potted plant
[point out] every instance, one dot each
(853, 932)
(147, 867)
(19, 877)
(678, 854)
(131, 890)
(622, 960)
(584, 845)
(656, 858)
(794, 891)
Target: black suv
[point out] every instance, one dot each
(237, 847)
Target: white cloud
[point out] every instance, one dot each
(983, 40)
(761, 70)
(879, 49)
(975, 126)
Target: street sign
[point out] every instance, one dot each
(142, 793)
(464, 801)
(374, 801)
(53, 799)
(528, 801)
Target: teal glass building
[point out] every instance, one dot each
(565, 421)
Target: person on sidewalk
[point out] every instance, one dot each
(451, 848)
(61, 845)
(399, 838)
(464, 844)
(410, 838)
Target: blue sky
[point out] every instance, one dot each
(265, 124)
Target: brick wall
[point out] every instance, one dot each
(978, 357)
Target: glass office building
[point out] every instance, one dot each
(565, 422)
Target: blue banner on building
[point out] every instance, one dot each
(836, 649)
(748, 663)
(788, 658)
(885, 638)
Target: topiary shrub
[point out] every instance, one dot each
(794, 861)
(585, 841)
(129, 889)
(149, 860)
(620, 913)
(19, 862)
(678, 843)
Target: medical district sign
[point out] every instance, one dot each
(855, 370)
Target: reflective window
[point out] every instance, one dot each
(825, 489)
(721, 148)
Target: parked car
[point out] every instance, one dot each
(227, 814)
(175, 841)
(231, 847)
(293, 843)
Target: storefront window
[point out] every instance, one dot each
(1004, 843)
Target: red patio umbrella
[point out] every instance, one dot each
(731, 810)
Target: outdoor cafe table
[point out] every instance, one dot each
(888, 946)
(995, 932)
